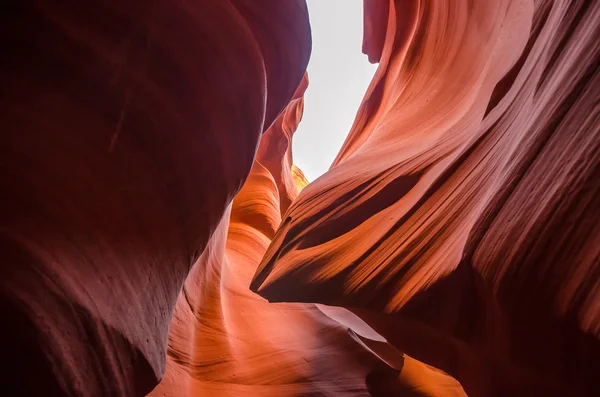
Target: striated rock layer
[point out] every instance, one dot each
(127, 129)
(227, 341)
(453, 249)
(460, 219)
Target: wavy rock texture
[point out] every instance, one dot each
(227, 341)
(459, 222)
(127, 129)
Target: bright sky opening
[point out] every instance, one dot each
(339, 75)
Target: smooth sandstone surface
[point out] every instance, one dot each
(459, 222)
(127, 129)
(149, 190)
(227, 341)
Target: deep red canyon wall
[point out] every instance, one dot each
(453, 248)
(127, 129)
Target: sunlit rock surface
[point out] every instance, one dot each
(452, 250)
(460, 219)
(227, 341)
(127, 129)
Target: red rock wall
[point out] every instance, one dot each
(127, 129)
(452, 249)
(460, 218)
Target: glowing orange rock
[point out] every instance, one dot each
(456, 235)
(460, 219)
(127, 129)
(227, 341)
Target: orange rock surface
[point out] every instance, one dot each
(227, 341)
(460, 218)
(149, 190)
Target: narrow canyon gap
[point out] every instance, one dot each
(339, 77)
(158, 239)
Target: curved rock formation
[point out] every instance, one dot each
(460, 220)
(227, 341)
(453, 249)
(127, 128)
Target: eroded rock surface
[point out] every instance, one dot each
(227, 341)
(453, 248)
(127, 129)
(460, 219)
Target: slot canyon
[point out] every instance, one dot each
(158, 240)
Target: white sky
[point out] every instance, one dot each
(339, 74)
